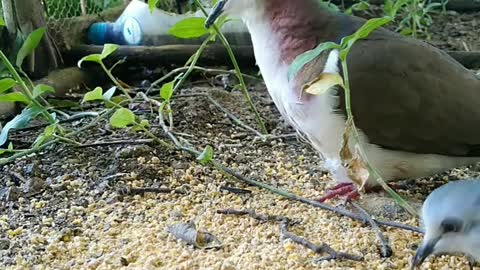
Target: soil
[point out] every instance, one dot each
(73, 207)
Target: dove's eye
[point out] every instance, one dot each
(451, 225)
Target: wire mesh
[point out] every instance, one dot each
(59, 9)
(64, 17)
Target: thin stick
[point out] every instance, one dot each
(323, 248)
(232, 173)
(204, 70)
(232, 117)
(122, 142)
(284, 223)
(386, 250)
(252, 214)
(141, 191)
(236, 190)
(238, 72)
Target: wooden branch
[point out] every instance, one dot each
(178, 54)
(167, 55)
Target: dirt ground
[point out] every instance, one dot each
(76, 208)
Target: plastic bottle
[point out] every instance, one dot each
(138, 26)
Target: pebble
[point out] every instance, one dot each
(33, 185)
(4, 243)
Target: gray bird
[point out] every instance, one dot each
(451, 219)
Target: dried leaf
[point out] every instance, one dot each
(354, 163)
(323, 83)
(189, 233)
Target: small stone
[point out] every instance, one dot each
(9, 194)
(4, 243)
(33, 185)
(133, 151)
(155, 160)
(180, 165)
(145, 84)
(58, 187)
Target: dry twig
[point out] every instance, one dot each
(284, 224)
(232, 117)
(386, 250)
(122, 142)
(141, 191)
(236, 190)
(231, 173)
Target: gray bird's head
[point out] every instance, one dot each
(451, 219)
(230, 7)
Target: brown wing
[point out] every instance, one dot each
(410, 96)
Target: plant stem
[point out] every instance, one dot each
(24, 86)
(205, 70)
(196, 56)
(67, 140)
(373, 171)
(237, 69)
(414, 15)
(12, 158)
(109, 74)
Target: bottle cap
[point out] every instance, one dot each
(132, 31)
(98, 33)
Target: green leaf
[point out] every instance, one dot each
(206, 156)
(2, 22)
(122, 118)
(363, 32)
(301, 60)
(20, 121)
(152, 4)
(189, 28)
(361, 6)
(14, 97)
(144, 123)
(29, 45)
(8, 150)
(6, 84)
(41, 89)
(166, 92)
(108, 95)
(108, 49)
(97, 58)
(95, 94)
(46, 135)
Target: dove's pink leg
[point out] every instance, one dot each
(349, 190)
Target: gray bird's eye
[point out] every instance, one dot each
(451, 225)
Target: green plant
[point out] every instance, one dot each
(194, 27)
(416, 15)
(28, 94)
(351, 131)
(98, 58)
(359, 6)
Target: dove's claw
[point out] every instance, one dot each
(349, 190)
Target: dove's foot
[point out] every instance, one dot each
(349, 190)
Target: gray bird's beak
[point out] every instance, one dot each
(425, 250)
(215, 13)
